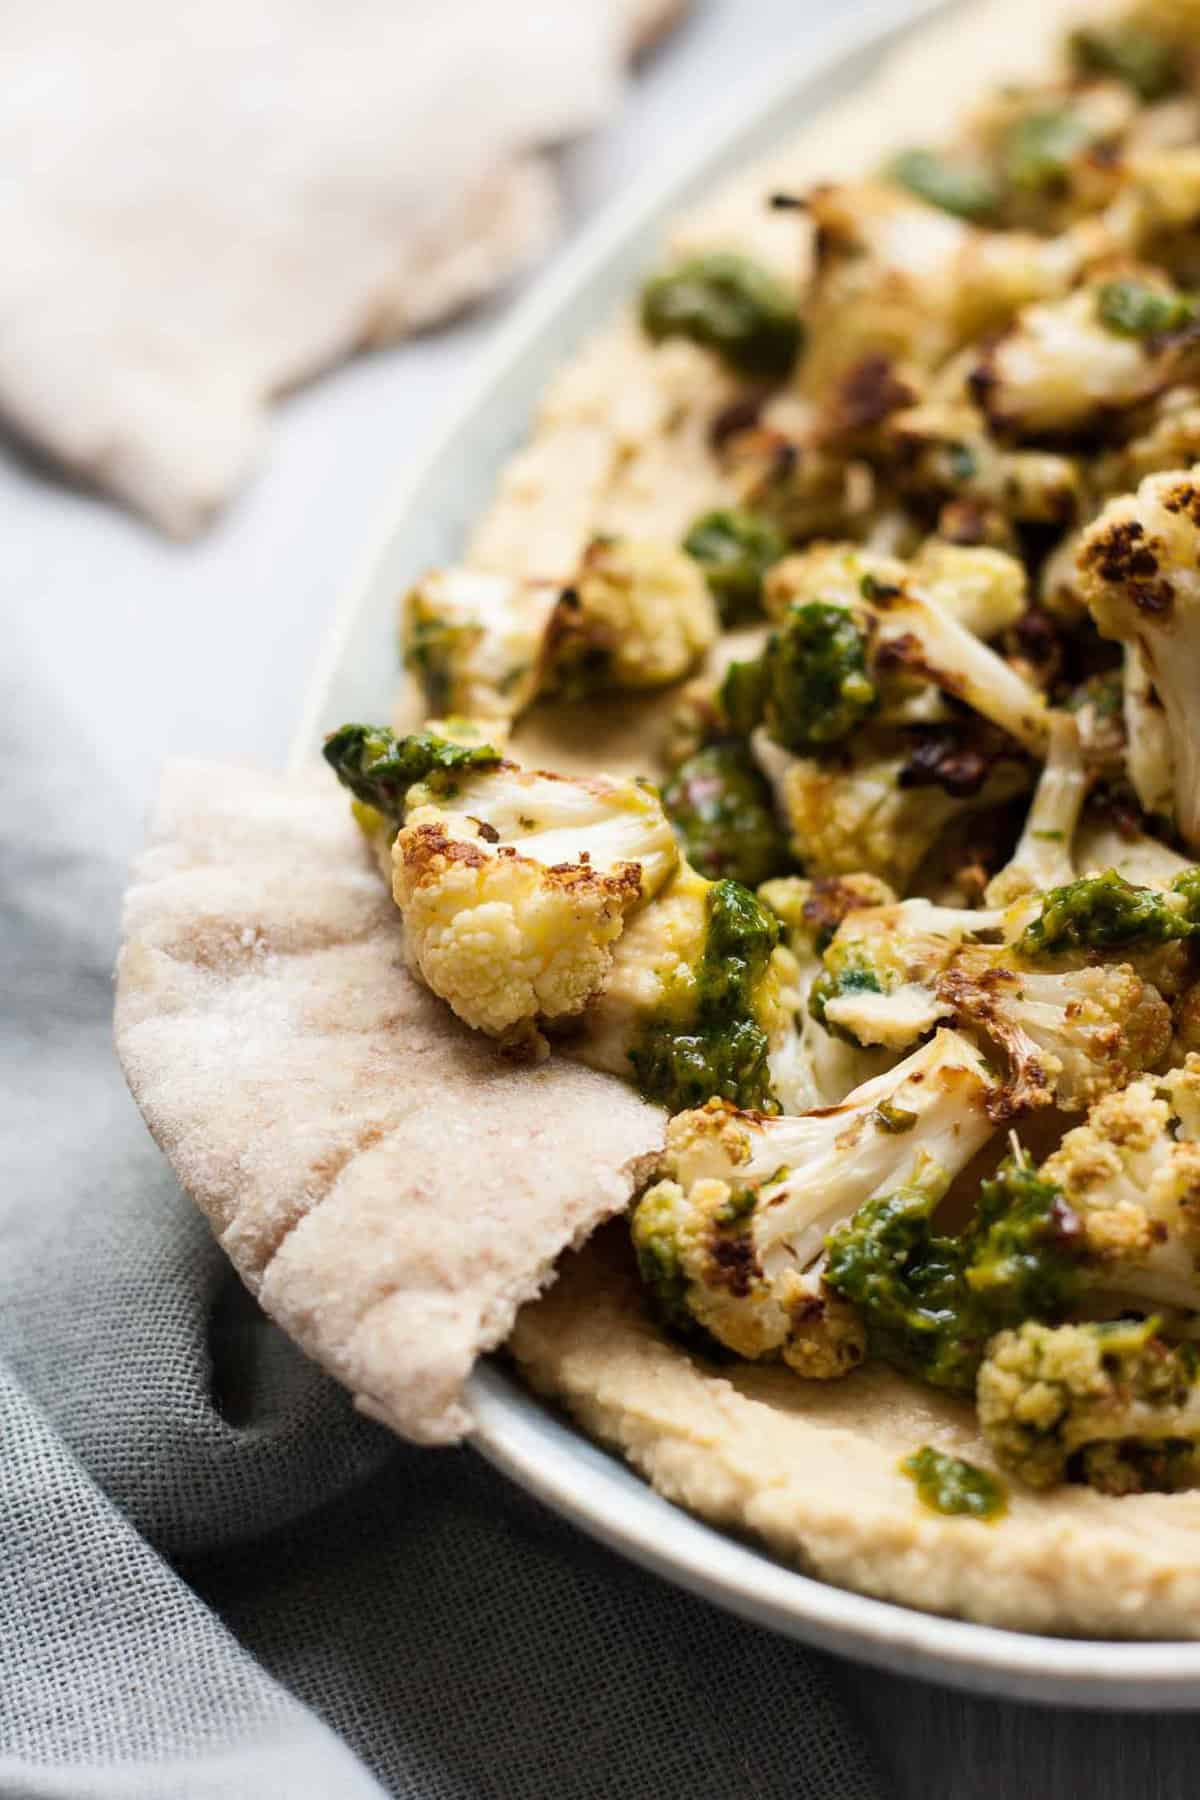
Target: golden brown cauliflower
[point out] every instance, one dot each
(515, 885)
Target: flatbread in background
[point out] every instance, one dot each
(205, 206)
(388, 1187)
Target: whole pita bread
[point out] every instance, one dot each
(387, 1186)
(205, 206)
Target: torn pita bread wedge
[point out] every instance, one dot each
(388, 1188)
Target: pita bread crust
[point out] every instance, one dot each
(387, 1186)
(811, 1469)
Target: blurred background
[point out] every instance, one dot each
(131, 646)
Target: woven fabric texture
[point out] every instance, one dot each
(217, 1581)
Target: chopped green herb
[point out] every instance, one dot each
(896, 1119)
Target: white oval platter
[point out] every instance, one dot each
(425, 523)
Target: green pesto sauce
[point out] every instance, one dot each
(1024, 1247)
(948, 1484)
(1039, 148)
(379, 768)
(1102, 912)
(909, 1286)
(731, 306)
(720, 806)
(735, 548)
(1129, 53)
(818, 685)
(719, 1050)
(955, 187)
(1136, 309)
(812, 683)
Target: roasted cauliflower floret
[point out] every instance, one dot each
(983, 589)
(879, 983)
(1068, 1035)
(903, 283)
(1069, 1026)
(1131, 1176)
(1064, 364)
(944, 448)
(1109, 1404)
(803, 486)
(833, 661)
(638, 615)
(1139, 570)
(514, 886)
(700, 1271)
(735, 1228)
(882, 803)
(474, 640)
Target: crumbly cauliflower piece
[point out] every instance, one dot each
(945, 447)
(1131, 1175)
(474, 640)
(983, 589)
(1069, 1034)
(901, 284)
(872, 806)
(515, 885)
(733, 1233)
(1139, 572)
(1111, 1404)
(879, 984)
(1043, 857)
(1059, 368)
(638, 615)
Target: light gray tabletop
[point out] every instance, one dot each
(144, 648)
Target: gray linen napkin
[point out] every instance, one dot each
(215, 1579)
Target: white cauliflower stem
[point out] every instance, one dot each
(1043, 857)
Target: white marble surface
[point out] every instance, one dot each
(143, 648)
